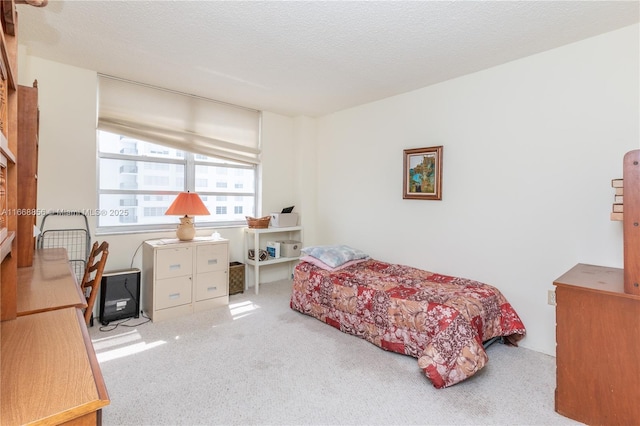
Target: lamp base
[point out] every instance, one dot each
(186, 230)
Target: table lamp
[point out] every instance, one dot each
(188, 204)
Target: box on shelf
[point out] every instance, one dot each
(290, 248)
(284, 220)
(273, 248)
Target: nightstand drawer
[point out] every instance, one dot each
(173, 262)
(211, 284)
(211, 258)
(172, 292)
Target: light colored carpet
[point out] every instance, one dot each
(259, 362)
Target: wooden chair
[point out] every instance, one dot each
(92, 277)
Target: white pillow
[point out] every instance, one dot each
(334, 255)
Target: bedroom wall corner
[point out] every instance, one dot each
(278, 163)
(305, 135)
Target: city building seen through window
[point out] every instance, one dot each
(138, 181)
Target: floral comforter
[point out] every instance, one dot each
(440, 320)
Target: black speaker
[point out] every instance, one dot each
(119, 295)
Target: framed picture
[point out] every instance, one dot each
(422, 173)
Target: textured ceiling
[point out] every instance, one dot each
(306, 58)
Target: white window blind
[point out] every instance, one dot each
(185, 122)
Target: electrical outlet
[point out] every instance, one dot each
(551, 297)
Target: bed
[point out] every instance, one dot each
(443, 321)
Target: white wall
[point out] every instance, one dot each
(67, 167)
(530, 148)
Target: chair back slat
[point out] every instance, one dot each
(93, 275)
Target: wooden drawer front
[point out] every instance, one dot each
(173, 262)
(596, 356)
(211, 258)
(211, 284)
(173, 292)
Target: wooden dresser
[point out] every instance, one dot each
(49, 373)
(598, 347)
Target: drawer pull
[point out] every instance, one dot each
(212, 288)
(212, 261)
(174, 296)
(175, 266)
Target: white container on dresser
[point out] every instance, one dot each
(181, 277)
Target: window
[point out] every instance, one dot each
(154, 143)
(138, 181)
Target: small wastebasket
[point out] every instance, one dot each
(236, 278)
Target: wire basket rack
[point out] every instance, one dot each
(68, 230)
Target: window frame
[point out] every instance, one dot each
(190, 163)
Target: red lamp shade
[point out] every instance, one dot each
(188, 204)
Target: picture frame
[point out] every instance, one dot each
(422, 179)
